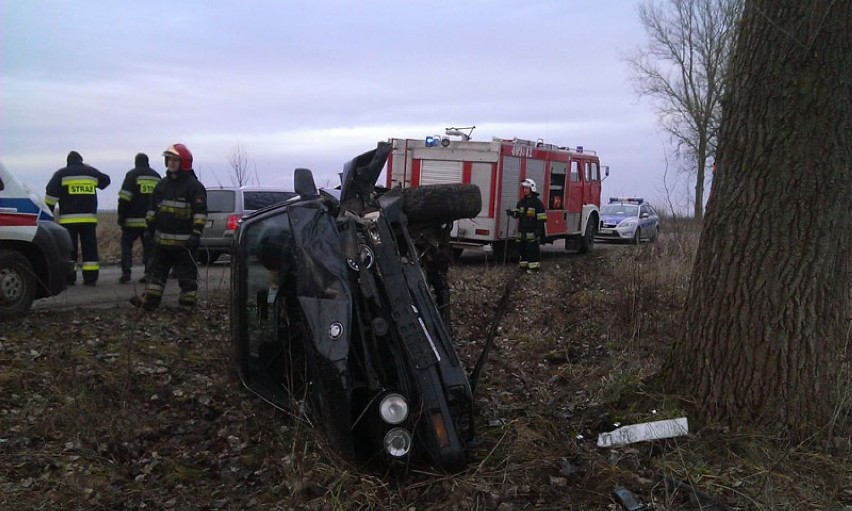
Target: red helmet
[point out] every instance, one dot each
(180, 152)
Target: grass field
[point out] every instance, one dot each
(109, 239)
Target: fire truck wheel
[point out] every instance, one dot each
(17, 284)
(441, 203)
(588, 239)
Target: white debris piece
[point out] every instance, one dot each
(644, 431)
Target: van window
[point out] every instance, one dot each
(257, 199)
(220, 201)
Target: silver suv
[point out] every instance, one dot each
(226, 205)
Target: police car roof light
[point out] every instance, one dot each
(627, 200)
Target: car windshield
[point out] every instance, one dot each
(261, 198)
(620, 210)
(220, 201)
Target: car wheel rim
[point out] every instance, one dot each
(10, 285)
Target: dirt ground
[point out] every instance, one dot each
(116, 409)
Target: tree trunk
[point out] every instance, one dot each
(766, 327)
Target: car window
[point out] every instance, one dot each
(269, 245)
(619, 209)
(220, 201)
(257, 199)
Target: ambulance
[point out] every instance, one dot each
(35, 251)
(568, 180)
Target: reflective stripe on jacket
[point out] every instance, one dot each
(178, 210)
(74, 188)
(134, 198)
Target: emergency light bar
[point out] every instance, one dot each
(436, 140)
(627, 200)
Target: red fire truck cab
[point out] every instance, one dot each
(568, 182)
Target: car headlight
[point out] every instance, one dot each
(630, 222)
(397, 442)
(393, 408)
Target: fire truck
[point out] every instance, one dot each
(568, 181)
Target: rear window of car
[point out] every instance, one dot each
(220, 201)
(257, 199)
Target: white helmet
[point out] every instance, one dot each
(529, 183)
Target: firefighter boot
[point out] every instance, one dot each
(187, 301)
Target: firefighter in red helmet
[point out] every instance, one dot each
(174, 223)
(531, 217)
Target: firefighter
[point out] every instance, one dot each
(75, 187)
(174, 223)
(531, 217)
(133, 200)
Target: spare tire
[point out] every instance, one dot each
(441, 203)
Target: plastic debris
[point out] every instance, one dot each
(655, 430)
(628, 500)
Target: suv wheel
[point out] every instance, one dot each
(441, 203)
(17, 284)
(207, 257)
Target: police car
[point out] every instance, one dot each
(35, 251)
(628, 219)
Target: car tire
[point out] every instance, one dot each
(17, 284)
(442, 203)
(637, 237)
(207, 257)
(655, 234)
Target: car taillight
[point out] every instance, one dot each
(233, 220)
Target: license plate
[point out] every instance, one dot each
(605, 231)
(209, 224)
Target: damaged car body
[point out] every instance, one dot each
(334, 310)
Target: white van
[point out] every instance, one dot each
(35, 251)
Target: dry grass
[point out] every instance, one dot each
(126, 410)
(109, 239)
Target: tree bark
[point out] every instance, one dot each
(766, 328)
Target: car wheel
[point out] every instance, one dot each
(17, 284)
(655, 234)
(441, 203)
(504, 251)
(207, 256)
(638, 236)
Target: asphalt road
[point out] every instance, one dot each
(109, 293)
(216, 278)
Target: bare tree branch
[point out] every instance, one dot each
(683, 69)
(244, 171)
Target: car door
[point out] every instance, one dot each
(646, 221)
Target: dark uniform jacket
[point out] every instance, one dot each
(178, 210)
(75, 189)
(135, 196)
(531, 216)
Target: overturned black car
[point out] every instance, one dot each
(340, 307)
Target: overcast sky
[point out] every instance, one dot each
(315, 83)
